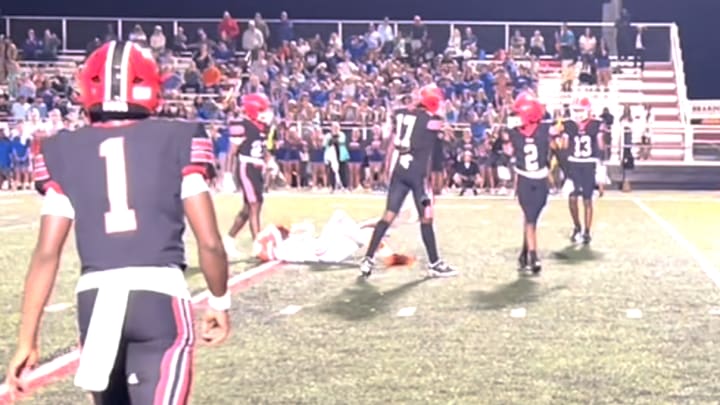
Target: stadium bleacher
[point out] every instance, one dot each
(661, 85)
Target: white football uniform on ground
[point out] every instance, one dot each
(339, 240)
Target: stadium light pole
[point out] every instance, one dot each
(610, 13)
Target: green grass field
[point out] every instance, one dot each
(632, 319)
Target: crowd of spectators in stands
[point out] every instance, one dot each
(323, 90)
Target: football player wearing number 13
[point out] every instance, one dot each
(417, 131)
(127, 181)
(530, 144)
(584, 143)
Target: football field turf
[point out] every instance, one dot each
(634, 318)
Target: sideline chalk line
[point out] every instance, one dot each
(66, 364)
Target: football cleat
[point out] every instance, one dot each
(576, 236)
(534, 266)
(230, 249)
(441, 269)
(522, 261)
(367, 265)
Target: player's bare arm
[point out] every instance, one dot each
(40, 278)
(601, 143)
(231, 161)
(389, 159)
(200, 213)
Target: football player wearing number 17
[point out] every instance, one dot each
(530, 145)
(584, 143)
(127, 183)
(416, 132)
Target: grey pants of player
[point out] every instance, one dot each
(154, 363)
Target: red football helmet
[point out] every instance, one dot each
(582, 109)
(120, 78)
(528, 108)
(257, 108)
(430, 97)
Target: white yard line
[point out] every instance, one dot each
(17, 226)
(707, 267)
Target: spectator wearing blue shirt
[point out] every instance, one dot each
(357, 48)
(32, 46)
(5, 157)
(222, 54)
(20, 160)
(286, 30)
(172, 81)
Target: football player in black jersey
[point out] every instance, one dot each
(530, 145)
(247, 163)
(417, 131)
(583, 144)
(126, 182)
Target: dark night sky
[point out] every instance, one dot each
(697, 19)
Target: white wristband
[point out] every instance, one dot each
(220, 303)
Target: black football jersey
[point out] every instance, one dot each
(583, 140)
(416, 137)
(250, 140)
(532, 153)
(124, 183)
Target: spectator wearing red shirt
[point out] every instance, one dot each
(229, 30)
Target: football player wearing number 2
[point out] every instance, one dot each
(127, 182)
(417, 131)
(584, 144)
(247, 161)
(530, 144)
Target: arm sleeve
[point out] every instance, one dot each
(237, 132)
(41, 175)
(200, 158)
(57, 204)
(192, 185)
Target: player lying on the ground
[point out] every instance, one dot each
(530, 144)
(338, 241)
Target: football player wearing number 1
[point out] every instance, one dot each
(584, 143)
(530, 144)
(417, 131)
(127, 182)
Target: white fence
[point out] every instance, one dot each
(76, 32)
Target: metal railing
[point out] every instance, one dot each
(76, 32)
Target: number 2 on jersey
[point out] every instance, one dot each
(404, 126)
(583, 147)
(120, 218)
(531, 157)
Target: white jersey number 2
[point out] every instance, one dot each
(531, 157)
(119, 218)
